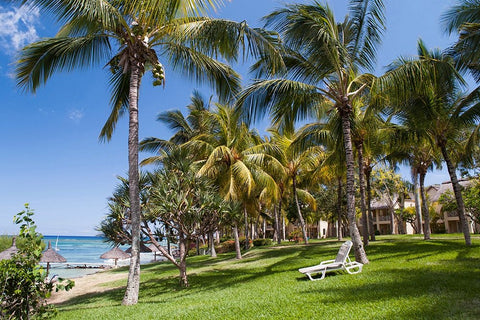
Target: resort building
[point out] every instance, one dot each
(448, 222)
(384, 221)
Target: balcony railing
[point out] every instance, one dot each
(384, 218)
(452, 214)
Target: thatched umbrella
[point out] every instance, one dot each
(8, 253)
(143, 249)
(51, 256)
(115, 254)
(154, 249)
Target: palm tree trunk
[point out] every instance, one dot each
(277, 221)
(457, 190)
(237, 242)
(245, 214)
(416, 191)
(339, 209)
(299, 212)
(361, 182)
(213, 253)
(368, 172)
(360, 254)
(426, 214)
(133, 282)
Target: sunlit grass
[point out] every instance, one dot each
(407, 278)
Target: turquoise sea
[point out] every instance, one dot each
(83, 255)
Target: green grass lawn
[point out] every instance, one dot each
(407, 278)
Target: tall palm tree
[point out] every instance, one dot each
(445, 112)
(324, 60)
(130, 36)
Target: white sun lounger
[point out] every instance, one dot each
(341, 262)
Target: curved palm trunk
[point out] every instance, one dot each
(426, 214)
(339, 209)
(237, 242)
(360, 254)
(133, 283)
(361, 182)
(457, 190)
(368, 172)
(299, 212)
(418, 210)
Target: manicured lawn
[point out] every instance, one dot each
(407, 278)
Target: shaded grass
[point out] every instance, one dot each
(408, 278)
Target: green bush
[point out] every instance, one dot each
(22, 280)
(226, 246)
(262, 242)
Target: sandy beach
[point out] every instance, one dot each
(93, 283)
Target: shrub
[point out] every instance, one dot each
(242, 241)
(226, 246)
(262, 242)
(22, 280)
(295, 235)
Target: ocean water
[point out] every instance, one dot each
(83, 255)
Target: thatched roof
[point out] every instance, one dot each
(143, 248)
(115, 253)
(51, 255)
(8, 253)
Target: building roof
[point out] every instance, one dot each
(435, 191)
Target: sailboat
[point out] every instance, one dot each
(56, 244)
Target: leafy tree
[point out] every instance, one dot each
(22, 279)
(471, 195)
(131, 36)
(324, 60)
(189, 205)
(389, 188)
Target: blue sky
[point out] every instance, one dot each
(51, 156)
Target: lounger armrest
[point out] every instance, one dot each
(327, 262)
(354, 267)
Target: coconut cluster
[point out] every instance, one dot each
(158, 73)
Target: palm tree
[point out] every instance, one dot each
(324, 60)
(197, 122)
(416, 151)
(130, 36)
(296, 162)
(445, 112)
(464, 19)
(234, 159)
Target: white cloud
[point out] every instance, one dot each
(76, 115)
(17, 27)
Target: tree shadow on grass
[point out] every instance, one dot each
(447, 293)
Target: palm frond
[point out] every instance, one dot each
(285, 100)
(39, 60)
(204, 69)
(120, 83)
(368, 23)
